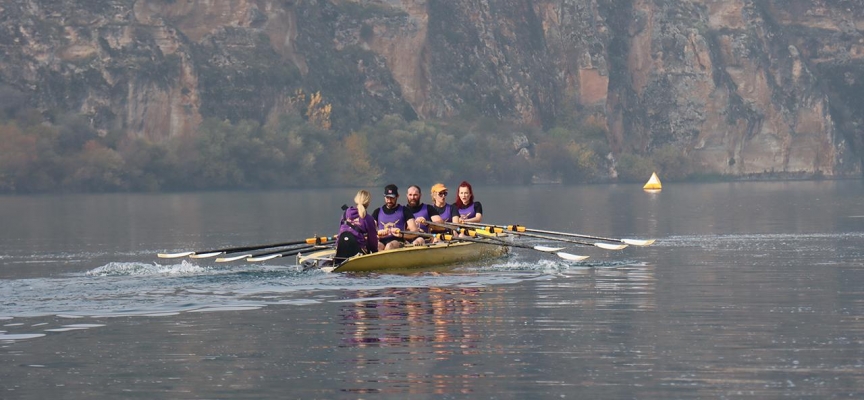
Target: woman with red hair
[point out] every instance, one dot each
(468, 209)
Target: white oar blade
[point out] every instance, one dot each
(609, 246)
(328, 269)
(232, 258)
(207, 255)
(570, 257)
(548, 249)
(175, 255)
(637, 242)
(263, 258)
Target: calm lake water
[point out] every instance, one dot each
(753, 290)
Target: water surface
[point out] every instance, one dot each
(751, 291)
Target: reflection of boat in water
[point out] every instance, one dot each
(431, 255)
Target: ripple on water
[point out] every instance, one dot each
(74, 327)
(144, 269)
(25, 330)
(119, 288)
(19, 336)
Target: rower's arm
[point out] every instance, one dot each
(412, 226)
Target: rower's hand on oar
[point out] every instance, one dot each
(389, 232)
(420, 221)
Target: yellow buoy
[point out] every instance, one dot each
(653, 184)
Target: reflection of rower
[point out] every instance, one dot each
(416, 310)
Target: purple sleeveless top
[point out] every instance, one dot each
(445, 212)
(468, 212)
(360, 228)
(394, 220)
(423, 212)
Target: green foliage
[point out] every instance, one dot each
(291, 151)
(147, 165)
(74, 132)
(352, 162)
(15, 155)
(672, 163)
(669, 162)
(573, 153)
(634, 168)
(95, 169)
(427, 151)
(217, 162)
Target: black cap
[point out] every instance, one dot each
(391, 191)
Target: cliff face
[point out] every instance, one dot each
(745, 87)
(740, 86)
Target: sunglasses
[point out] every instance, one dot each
(442, 194)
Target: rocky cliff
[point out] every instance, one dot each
(741, 87)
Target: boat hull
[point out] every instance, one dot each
(426, 256)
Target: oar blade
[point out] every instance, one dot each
(207, 255)
(609, 246)
(233, 258)
(637, 242)
(272, 255)
(264, 257)
(548, 249)
(570, 257)
(175, 255)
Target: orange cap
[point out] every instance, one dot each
(438, 188)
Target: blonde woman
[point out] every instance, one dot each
(357, 231)
(445, 211)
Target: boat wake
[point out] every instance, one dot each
(144, 269)
(136, 288)
(755, 239)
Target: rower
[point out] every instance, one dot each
(392, 219)
(356, 230)
(422, 213)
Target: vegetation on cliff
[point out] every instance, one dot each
(166, 95)
(64, 153)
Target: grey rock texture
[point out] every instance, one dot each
(741, 87)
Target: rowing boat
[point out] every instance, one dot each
(424, 256)
(472, 245)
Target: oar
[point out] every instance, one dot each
(500, 229)
(501, 242)
(492, 236)
(488, 235)
(247, 255)
(265, 257)
(634, 242)
(216, 252)
(491, 240)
